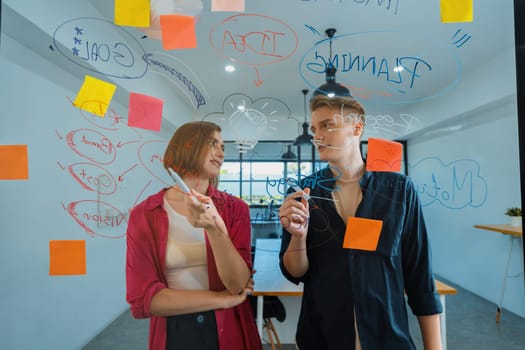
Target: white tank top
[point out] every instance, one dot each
(186, 263)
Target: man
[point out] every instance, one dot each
(354, 298)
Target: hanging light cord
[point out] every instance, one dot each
(330, 61)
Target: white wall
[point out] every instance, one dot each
(482, 143)
(61, 312)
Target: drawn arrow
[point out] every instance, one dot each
(259, 81)
(121, 176)
(121, 144)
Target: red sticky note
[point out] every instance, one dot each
(13, 162)
(384, 155)
(145, 111)
(362, 233)
(67, 257)
(178, 32)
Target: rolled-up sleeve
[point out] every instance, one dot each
(417, 260)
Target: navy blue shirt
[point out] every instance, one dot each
(340, 281)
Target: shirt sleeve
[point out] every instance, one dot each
(143, 268)
(285, 241)
(417, 260)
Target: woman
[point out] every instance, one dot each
(354, 298)
(188, 261)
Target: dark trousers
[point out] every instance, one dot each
(197, 331)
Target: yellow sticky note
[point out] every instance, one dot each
(13, 162)
(67, 257)
(362, 233)
(227, 5)
(135, 13)
(456, 11)
(178, 32)
(95, 95)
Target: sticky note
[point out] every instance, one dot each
(362, 233)
(13, 162)
(67, 257)
(384, 155)
(456, 11)
(145, 111)
(178, 32)
(95, 95)
(135, 13)
(227, 5)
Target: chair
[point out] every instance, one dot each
(273, 308)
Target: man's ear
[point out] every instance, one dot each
(358, 128)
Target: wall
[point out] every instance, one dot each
(65, 312)
(467, 173)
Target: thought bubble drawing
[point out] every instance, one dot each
(454, 185)
(247, 120)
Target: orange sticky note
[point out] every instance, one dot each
(227, 5)
(384, 155)
(67, 257)
(134, 13)
(13, 162)
(362, 233)
(145, 111)
(456, 11)
(95, 95)
(178, 32)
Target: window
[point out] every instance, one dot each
(260, 182)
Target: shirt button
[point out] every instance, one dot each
(200, 318)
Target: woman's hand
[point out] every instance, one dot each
(294, 214)
(232, 300)
(203, 213)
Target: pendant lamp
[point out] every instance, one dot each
(305, 137)
(331, 88)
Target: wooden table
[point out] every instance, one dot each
(269, 281)
(514, 232)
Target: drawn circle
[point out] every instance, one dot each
(395, 96)
(259, 25)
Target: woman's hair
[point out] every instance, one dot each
(188, 146)
(347, 102)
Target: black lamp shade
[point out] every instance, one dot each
(305, 138)
(331, 87)
(289, 155)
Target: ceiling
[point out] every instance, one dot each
(278, 48)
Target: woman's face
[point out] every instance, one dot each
(335, 135)
(214, 157)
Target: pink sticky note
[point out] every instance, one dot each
(384, 155)
(178, 32)
(145, 111)
(227, 5)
